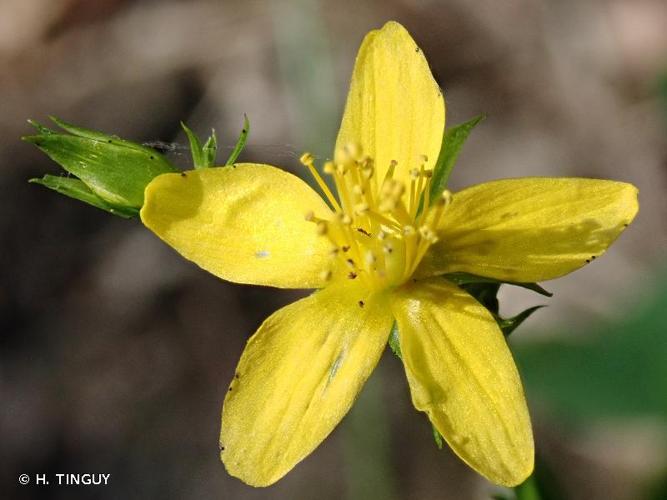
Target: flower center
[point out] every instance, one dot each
(381, 228)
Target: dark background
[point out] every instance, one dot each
(115, 353)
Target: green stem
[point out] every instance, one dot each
(527, 490)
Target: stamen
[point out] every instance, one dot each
(308, 160)
(375, 236)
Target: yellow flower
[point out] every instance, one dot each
(377, 258)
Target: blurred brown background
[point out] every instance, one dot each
(115, 353)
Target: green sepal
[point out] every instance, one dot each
(75, 188)
(41, 128)
(115, 170)
(210, 149)
(467, 278)
(437, 437)
(508, 325)
(452, 142)
(394, 343)
(485, 293)
(240, 143)
(202, 156)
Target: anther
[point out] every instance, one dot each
(307, 159)
(361, 208)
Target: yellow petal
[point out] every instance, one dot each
(461, 374)
(244, 224)
(530, 229)
(395, 109)
(297, 378)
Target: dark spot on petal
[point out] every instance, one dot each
(593, 257)
(236, 375)
(352, 275)
(221, 448)
(109, 141)
(361, 303)
(345, 248)
(183, 174)
(152, 157)
(416, 49)
(588, 261)
(230, 389)
(363, 231)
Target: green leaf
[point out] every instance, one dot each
(240, 144)
(202, 156)
(115, 170)
(75, 188)
(467, 278)
(452, 142)
(508, 325)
